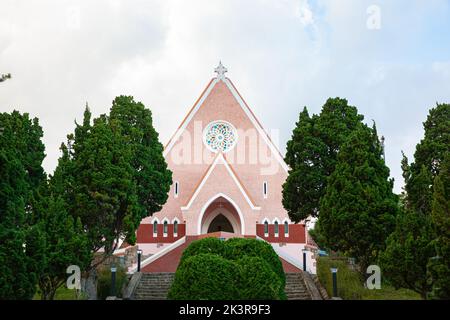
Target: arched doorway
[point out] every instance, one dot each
(220, 213)
(220, 223)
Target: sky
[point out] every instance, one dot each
(390, 59)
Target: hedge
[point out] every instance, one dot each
(257, 272)
(205, 276)
(257, 280)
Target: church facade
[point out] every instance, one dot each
(227, 182)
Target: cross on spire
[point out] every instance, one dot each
(220, 70)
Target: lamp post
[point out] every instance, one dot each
(304, 258)
(139, 252)
(334, 273)
(113, 280)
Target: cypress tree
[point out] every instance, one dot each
(311, 154)
(358, 210)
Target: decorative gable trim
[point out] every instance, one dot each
(190, 115)
(276, 153)
(220, 159)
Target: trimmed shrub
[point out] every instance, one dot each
(205, 277)
(233, 269)
(205, 245)
(257, 281)
(238, 248)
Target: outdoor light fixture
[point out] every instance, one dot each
(334, 273)
(113, 280)
(139, 252)
(304, 258)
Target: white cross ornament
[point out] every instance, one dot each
(220, 70)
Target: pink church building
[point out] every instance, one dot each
(227, 182)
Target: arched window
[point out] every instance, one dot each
(155, 228)
(266, 228)
(175, 228)
(276, 228)
(165, 228)
(286, 229)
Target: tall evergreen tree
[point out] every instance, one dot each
(303, 187)
(411, 259)
(21, 174)
(312, 154)
(104, 191)
(358, 210)
(439, 266)
(113, 173)
(66, 244)
(430, 153)
(408, 249)
(150, 172)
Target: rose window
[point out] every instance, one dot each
(220, 136)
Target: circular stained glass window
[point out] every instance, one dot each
(220, 136)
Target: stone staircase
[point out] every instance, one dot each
(295, 287)
(154, 286)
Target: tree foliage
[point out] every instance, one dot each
(21, 175)
(243, 268)
(439, 266)
(66, 244)
(312, 154)
(113, 173)
(408, 248)
(417, 254)
(358, 210)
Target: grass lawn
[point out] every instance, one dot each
(62, 294)
(350, 286)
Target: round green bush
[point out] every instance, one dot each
(237, 268)
(238, 248)
(205, 245)
(205, 277)
(257, 281)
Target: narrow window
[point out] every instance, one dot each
(155, 228)
(175, 228)
(265, 189)
(266, 228)
(276, 227)
(286, 229)
(177, 189)
(165, 228)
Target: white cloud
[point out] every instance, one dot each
(282, 55)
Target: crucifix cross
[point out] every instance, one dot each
(220, 70)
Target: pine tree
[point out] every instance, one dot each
(21, 174)
(430, 153)
(411, 258)
(408, 249)
(303, 187)
(312, 154)
(112, 173)
(66, 243)
(358, 210)
(439, 266)
(150, 172)
(104, 191)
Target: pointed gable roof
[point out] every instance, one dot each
(221, 160)
(276, 153)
